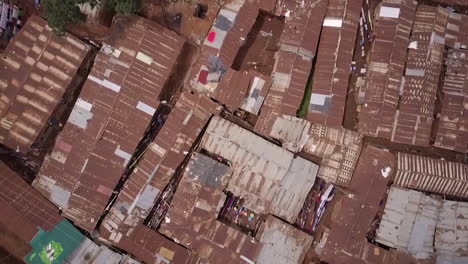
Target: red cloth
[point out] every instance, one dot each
(203, 77)
(211, 36)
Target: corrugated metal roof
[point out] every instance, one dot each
(451, 236)
(270, 178)
(282, 243)
(385, 70)
(37, 69)
(293, 64)
(226, 36)
(432, 175)
(27, 203)
(452, 130)
(164, 154)
(347, 241)
(333, 66)
(293, 132)
(424, 225)
(151, 247)
(413, 120)
(192, 216)
(109, 118)
(409, 222)
(339, 149)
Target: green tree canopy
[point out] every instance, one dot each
(125, 7)
(60, 13)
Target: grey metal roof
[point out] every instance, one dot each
(425, 226)
(282, 243)
(269, 177)
(452, 230)
(339, 148)
(409, 222)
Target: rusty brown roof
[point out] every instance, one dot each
(452, 130)
(293, 64)
(333, 66)
(432, 175)
(164, 154)
(339, 149)
(191, 218)
(37, 69)
(226, 36)
(151, 247)
(191, 221)
(347, 242)
(413, 120)
(19, 197)
(385, 70)
(109, 118)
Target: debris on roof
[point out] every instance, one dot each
(424, 226)
(298, 44)
(269, 177)
(39, 73)
(347, 240)
(159, 162)
(432, 175)
(109, 118)
(414, 117)
(452, 130)
(385, 70)
(333, 66)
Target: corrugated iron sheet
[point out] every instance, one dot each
(385, 70)
(26, 203)
(282, 243)
(191, 218)
(339, 149)
(451, 237)
(409, 222)
(347, 241)
(226, 36)
(293, 64)
(333, 66)
(152, 247)
(37, 69)
(109, 118)
(158, 164)
(452, 130)
(432, 175)
(270, 178)
(413, 120)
